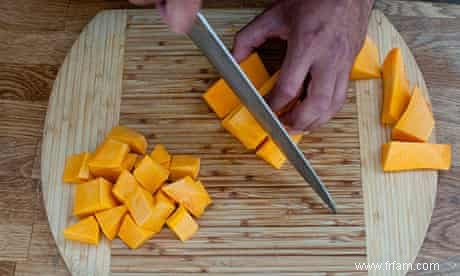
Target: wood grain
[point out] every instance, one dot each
(430, 32)
(50, 47)
(163, 81)
(26, 82)
(393, 200)
(16, 238)
(429, 29)
(7, 268)
(33, 16)
(94, 78)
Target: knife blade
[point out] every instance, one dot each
(203, 35)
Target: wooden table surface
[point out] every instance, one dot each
(35, 36)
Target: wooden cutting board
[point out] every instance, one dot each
(127, 68)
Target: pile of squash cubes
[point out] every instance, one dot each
(410, 115)
(128, 194)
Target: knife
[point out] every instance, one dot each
(203, 35)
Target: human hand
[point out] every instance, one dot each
(323, 39)
(178, 14)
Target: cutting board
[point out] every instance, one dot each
(127, 68)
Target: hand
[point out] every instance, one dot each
(178, 14)
(323, 39)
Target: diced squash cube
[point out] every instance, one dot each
(110, 220)
(417, 122)
(182, 224)
(138, 160)
(133, 235)
(395, 87)
(399, 156)
(268, 86)
(125, 185)
(163, 207)
(366, 65)
(93, 196)
(220, 96)
(108, 159)
(184, 165)
(140, 205)
(161, 156)
(150, 213)
(129, 161)
(150, 174)
(85, 231)
(189, 193)
(270, 152)
(241, 124)
(76, 168)
(84, 173)
(134, 139)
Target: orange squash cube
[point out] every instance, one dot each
(162, 209)
(395, 87)
(241, 124)
(366, 65)
(161, 156)
(138, 160)
(110, 220)
(134, 139)
(126, 184)
(220, 97)
(129, 161)
(93, 196)
(108, 159)
(182, 224)
(270, 152)
(400, 156)
(148, 212)
(133, 235)
(85, 231)
(76, 168)
(140, 205)
(184, 165)
(417, 122)
(268, 86)
(190, 194)
(150, 174)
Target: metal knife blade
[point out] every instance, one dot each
(203, 35)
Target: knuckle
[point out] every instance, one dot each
(287, 91)
(299, 124)
(322, 104)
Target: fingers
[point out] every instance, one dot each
(338, 99)
(317, 103)
(178, 14)
(264, 26)
(294, 69)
